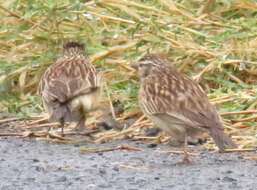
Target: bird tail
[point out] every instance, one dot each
(222, 140)
(61, 112)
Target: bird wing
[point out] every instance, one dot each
(67, 79)
(179, 98)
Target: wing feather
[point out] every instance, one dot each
(67, 79)
(179, 97)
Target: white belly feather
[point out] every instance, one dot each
(88, 102)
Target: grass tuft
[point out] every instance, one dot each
(214, 42)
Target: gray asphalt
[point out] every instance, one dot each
(30, 164)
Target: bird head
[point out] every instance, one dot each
(73, 49)
(148, 64)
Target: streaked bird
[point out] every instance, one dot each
(70, 88)
(176, 103)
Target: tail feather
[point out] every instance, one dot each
(61, 112)
(222, 140)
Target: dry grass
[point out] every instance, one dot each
(214, 42)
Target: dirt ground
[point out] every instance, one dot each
(30, 164)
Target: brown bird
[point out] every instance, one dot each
(177, 104)
(70, 88)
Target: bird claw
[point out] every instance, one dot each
(185, 161)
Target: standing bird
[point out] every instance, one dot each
(177, 104)
(70, 87)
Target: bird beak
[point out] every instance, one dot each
(134, 66)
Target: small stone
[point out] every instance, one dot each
(229, 171)
(19, 145)
(130, 179)
(152, 132)
(39, 169)
(100, 153)
(77, 178)
(152, 145)
(104, 185)
(129, 122)
(116, 168)
(229, 179)
(62, 179)
(240, 157)
(30, 179)
(94, 166)
(102, 171)
(35, 160)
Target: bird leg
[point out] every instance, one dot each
(48, 132)
(81, 125)
(186, 159)
(62, 126)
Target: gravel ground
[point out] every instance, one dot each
(30, 164)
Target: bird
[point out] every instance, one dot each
(70, 87)
(177, 104)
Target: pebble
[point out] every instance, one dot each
(35, 160)
(152, 145)
(229, 179)
(62, 179)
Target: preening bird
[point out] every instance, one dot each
(177, 104)
(71, 87)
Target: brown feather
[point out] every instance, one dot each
(176, 100)
(69, 84)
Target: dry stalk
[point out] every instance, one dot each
(112, 50)
(9, 120)
(84, 150)
(238, 112)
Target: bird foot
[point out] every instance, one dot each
(186, 160)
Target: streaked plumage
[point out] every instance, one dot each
(176, 103)
(71, 86)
